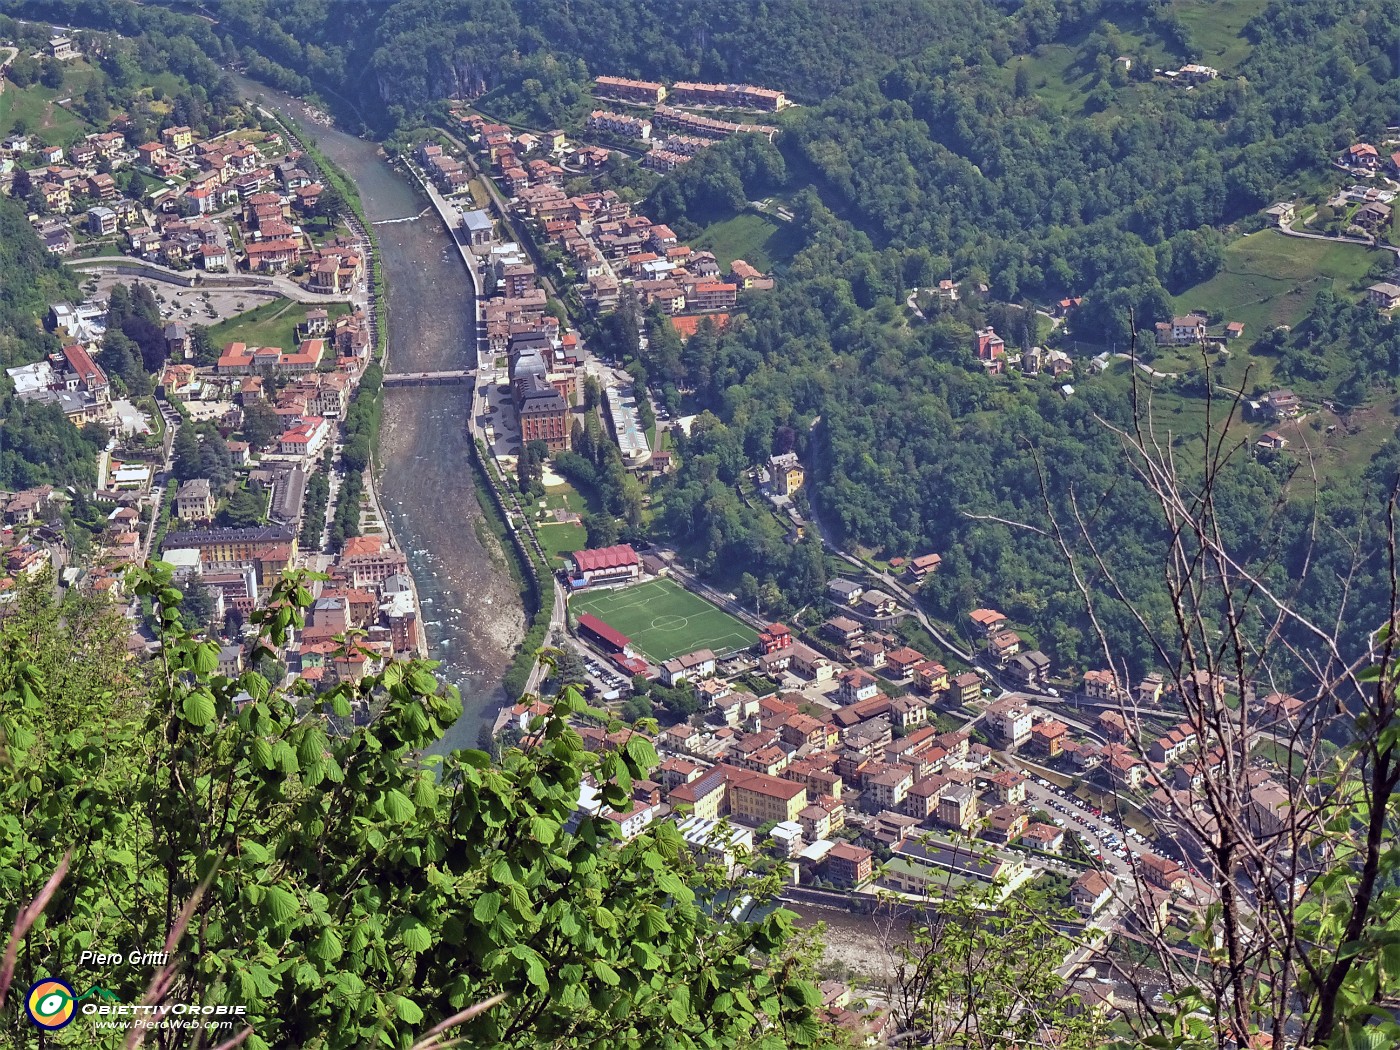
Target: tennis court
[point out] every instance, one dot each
(664, 620)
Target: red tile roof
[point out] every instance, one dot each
(597, 627)
(617, 557)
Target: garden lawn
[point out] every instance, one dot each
(757, 239)
(664, 620)
(271, 324)
(560, 538)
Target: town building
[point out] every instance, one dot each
(1384, 295)
(849, 865)
(195, 501)
(691, 666)
(645, 92)
(786, 473)
(1090, 892)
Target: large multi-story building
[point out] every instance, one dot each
(543, 415)
(1011, 721)
(758, 798)
(271, 548)
(368, 560)
(617, 564)
(646, 92)
(730, 96)
(849, 865)
(195, 501)
(620, 124)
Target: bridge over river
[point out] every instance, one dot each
(444, 378)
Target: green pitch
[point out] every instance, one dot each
(664, 620)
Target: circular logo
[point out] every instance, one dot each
(50, 1003)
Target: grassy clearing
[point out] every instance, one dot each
(271, 324)
(36, 106)
(664, 620)
(757, 239)
(1053, 77)
(1267, 280)
(1217, 28)
(558, 539)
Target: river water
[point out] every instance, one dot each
(472, 609)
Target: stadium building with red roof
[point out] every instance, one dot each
(609, 639)
(605, 565)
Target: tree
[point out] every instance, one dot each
(52, 74)
(215, 463)
(592, 392)
(203, 350)
(214, 798)
(21, 186)
(197, 606)
(356, 454)
(260, 424)
(186, 458)
(247, 506)
(979, 971)
(1021, 86)
(1298, 944)
(330, 202)
(602, 529)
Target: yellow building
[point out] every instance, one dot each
(786, 473)
(759, 798)
(703, 797)
(178, 139)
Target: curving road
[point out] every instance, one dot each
(1368, 242)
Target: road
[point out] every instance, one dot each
(540, 671)
(1369, 242)
(172, 422)
(194, 279)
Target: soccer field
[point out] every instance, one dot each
(664, 620)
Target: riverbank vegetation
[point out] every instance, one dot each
(534, 578)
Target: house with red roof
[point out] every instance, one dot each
(712, 296)
(774, 637)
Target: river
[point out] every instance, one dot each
(472, 609)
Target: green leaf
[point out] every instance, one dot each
(414, 935)
(535, 971)
(641, 752)
(312, 746)
(284, 757)
(542, 829)
(198, 709)
(327, 948)
(486, 907)
(605, 973)
(409, 1011)
(604, 918)
(280, 905)
(397, 806)
(206, 658)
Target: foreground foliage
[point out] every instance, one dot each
(356, 896)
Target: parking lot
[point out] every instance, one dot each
(206, 306)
